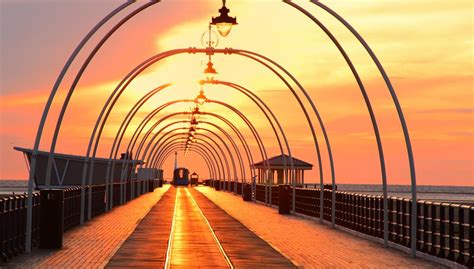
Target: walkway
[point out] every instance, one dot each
(209, 228)
(93, 244)
(201, 235)
(147, 245)
(308, 243)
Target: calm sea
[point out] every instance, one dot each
(453, 194)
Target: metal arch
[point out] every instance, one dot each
(181, 148)
(154, 126)
(224, 167)
(210, 138)
(401, 117)
(239, 135)
(217, 162)
(257, 137)
(172, 133)
(331, 161)
(146, 159)
(259, 102)
(218, 147)
(251, 127)
(204, 147)
(268, 185)
(242, 172)
(178, 139)
(195, 149)
(141, 67)
(123, 128)
(44, 116)
(78, 77)
(369, 108)
(249, 124)
(146, 97)
(179, 145)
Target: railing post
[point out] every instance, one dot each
(284, 202)
(52, 218)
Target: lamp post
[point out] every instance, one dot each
(224, 22)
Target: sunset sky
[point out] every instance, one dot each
(425, 46)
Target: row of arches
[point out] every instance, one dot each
(156, 152)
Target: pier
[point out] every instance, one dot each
(258, 182)
(208, 227)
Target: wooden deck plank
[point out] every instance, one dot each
(193, 243)
(243, 247)
(147, 245)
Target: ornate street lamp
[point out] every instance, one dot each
(194, 122)
(201, 98)
(224, 22)
(210, 72)
(195, 111)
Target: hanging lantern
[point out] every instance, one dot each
(224, 22)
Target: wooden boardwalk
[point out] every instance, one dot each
(186, 230)
(251, 236)
(243, 247)
(147, 245)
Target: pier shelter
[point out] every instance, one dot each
(278, 169)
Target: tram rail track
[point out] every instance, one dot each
(187, 207)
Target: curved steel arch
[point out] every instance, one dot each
(46, 109)
(147, 159)
(249, 124)
(180, 136)
(163, 55)
(176, 140)
(149, 62)
(172, 134)
(246, 92)
(224, 165)
(369, 109)
(153, 162)
(180, 146)
(237, 132)
(144, 65)
(204, 147)
(78, 77)
(401, 117)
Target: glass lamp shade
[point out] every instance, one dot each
(224, 28)
(201, 98)
(224, 22)
(210, 72)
